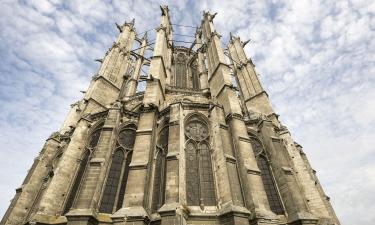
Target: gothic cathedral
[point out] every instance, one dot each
(196, 147)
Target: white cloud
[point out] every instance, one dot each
(315, 58)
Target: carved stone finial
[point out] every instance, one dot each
(119, 27)
(164, 10)
(145, 36)
(245, 43)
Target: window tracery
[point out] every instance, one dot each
(114, 191)
(160, 169)
(200, 188)
(181, 70)
(267, 177)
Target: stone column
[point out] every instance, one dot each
(222, 90)
(290, 190)
(87, 202)
(27, 194)
(51, 205)
(132, 83)
(202, 70)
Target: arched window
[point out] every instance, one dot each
(267, 178)
(195, 75)
(200, 188)
(181, 70)
(160, 169)
(91, 145)
(113, 180)
(114, 191)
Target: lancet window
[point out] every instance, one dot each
(181, 71)
(114, 191)
(90, 147)
(194, 75)
(200, 188)
(160, 169)
(267, 177)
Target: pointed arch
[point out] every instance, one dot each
(200, 186)
(114, 190)
(181, 61)
(158, 196)
(268, 180)
(113, 180)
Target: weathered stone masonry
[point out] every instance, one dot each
(191, 149)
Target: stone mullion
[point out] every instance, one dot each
(28, 192)
(52, 201)
(291, 193)
(93, 182)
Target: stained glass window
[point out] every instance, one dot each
(124, 181)
(181, 70)
(160, 169)
(206, 176)
(192, 175)
(94, 138)
(195, 76)
(113, 179)
(126, 137)
(267, 178)
(200, 188)
(114, 190)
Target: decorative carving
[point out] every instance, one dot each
(196, 130)
(126, 138)
(200, 188)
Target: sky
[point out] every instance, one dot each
(315, 58)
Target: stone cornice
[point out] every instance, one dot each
(256, 95)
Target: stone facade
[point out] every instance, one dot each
(191, 149)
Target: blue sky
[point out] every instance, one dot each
(315, 58)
